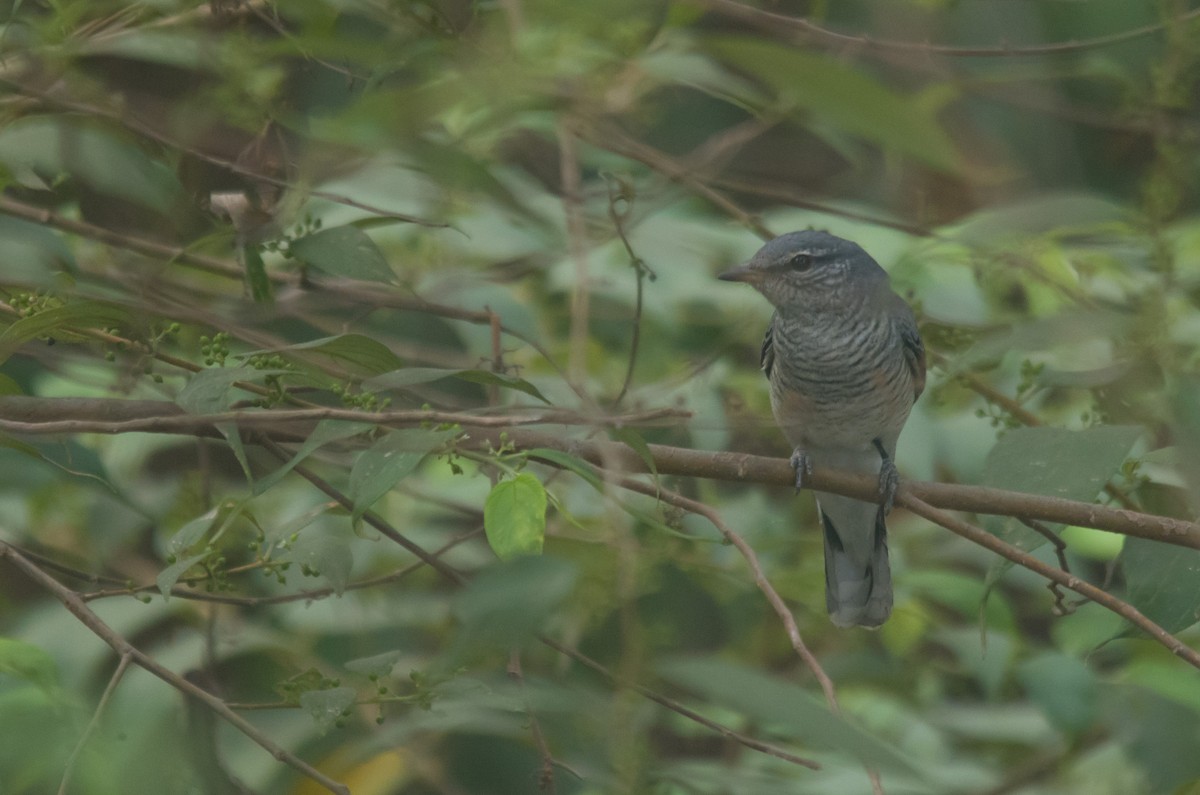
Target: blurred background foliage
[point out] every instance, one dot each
(1027, 172)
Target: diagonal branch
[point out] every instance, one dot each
(124, 648)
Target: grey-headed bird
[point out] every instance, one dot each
(845, 364)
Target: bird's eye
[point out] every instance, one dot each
(800, 261)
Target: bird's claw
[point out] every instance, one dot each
(803, 466)
(889, 480)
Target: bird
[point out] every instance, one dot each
(845, 363)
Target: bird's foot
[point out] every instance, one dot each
(803, 466)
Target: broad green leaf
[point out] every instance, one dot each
(9, 387)
(29, 662)
(510, 601)
(326, 431)
(514, 517)
(364, 355)
(834, 91)
(54, 322)
(325, 554)
(105, 160)
(210, 391)
(410, 376)
(32, 254)
(1064, 687)
(782, 706)
(1159, 734)
(388, 461)
(167, 578)
(344, 251)
(1163, 582)
(1054, 462)
(327, 707)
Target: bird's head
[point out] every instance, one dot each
(810, 269)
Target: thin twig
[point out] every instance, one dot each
(1061, 608)
(110, 688)
(773, 22)
(124, 648)
(983, 538)
(572, 198)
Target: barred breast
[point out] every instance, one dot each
(839, 382)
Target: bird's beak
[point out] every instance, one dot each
(746, 272)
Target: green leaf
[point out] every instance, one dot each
(1063, 687)
(210, 391)
(52, 322)
(511, 600)
(635, 441)
(32, 254)
(514, 517)
(191, 533)
(784, 707)
(1163, 582)
(388, 461)
(364, 355)
(167, 578)
(344, 251)
(377, 665)
(109, 162)
(256, 274)
(326, 431)
(1054, 462)
(327, 555)
(845, 96)
(410, 376)
(31, 663)
(327, 707)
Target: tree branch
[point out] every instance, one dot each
(144, 416)
(124, 648)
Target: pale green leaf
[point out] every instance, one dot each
(514, 517)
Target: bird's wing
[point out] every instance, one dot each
(914, 352)
(766, 358)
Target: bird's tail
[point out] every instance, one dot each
(858, 577)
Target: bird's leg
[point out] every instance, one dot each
(889, 479)
(803, 466)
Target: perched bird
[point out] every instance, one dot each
(845, 364)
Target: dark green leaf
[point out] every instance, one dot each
(834, 91)
(507, 603)
(1064, 687)
(514, 517)
(108, 162)
(378, 665)
(344, 251)
(256, 274)
(410, 376)
(54, 322)
(388, 461)
(326, 431)
(365, 356)
(1163, 582)
(327, 555)
(784, 707)
(1054, 462)
(211, 391)
(26, 661)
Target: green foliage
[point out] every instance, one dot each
(514, 517)
(511, 214)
